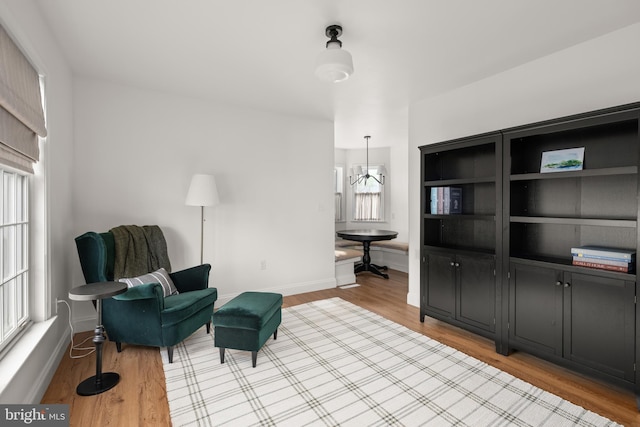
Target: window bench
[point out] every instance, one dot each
(346, 258)
(391, 244)
(391, 253)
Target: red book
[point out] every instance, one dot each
(601, 266)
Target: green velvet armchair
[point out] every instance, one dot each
(143, 315)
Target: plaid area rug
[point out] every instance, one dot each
(336, 364)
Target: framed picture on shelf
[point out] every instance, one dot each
(571, 159)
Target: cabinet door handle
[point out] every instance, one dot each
(457, 264)
(452, 264)
(558, 283)
(566, 285)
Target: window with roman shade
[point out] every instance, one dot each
(21, 113)
(21, 124)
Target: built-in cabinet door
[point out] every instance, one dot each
(588, 319)
(477, 291)
(600, 323)
(461, 287)
(440, 285)
(535, 309)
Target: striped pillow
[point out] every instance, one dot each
(159, 276)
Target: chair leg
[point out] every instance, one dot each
(119, 346)
(209, 327)
(275, 334)
(254, 358)
(170, 354)
(221, 354)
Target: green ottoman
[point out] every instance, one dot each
(246, 322)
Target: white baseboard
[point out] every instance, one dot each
(345, 279)
(344, 271)
(86, 323)
(29, 366)
(49, 369)
(291, 289)
(413, 299)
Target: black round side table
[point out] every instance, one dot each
(100, 382)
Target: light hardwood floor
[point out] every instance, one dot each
(140, 397)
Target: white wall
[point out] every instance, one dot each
(136, 151)
(399, 189)
(27, 370)
(596, 74)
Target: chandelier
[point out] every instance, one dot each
(362, 176)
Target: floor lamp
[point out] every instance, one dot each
(202, 192)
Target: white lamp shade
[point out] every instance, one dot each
(359, 171)
(202, 191)
(382, 170)
(334, 65)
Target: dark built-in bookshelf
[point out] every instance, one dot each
(460, 250)
(503, 267)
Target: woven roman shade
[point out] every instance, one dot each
(21, 114)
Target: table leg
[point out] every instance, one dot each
(366, 263)
(366, 258)
(100, 382)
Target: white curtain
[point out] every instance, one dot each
(368, 207)
(338, 207)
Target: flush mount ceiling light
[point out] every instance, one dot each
(334, 64)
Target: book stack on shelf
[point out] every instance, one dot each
(446, 200)
(612, 259)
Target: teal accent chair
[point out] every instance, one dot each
(142, 315)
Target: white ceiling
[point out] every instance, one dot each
(261, 53)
